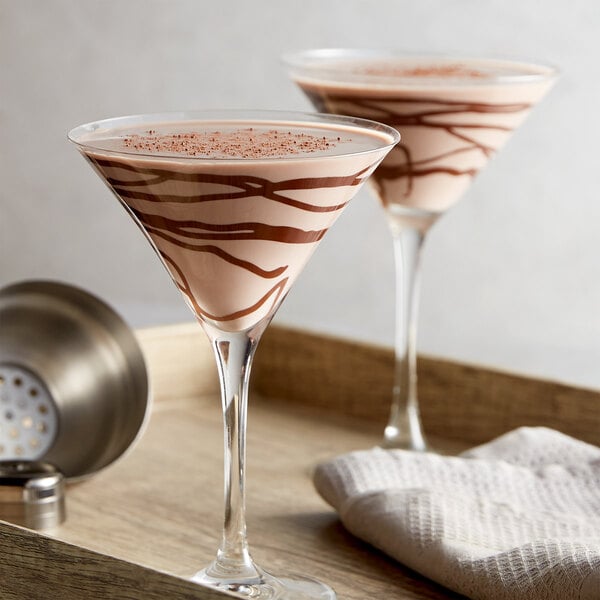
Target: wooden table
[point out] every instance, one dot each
(141, 527)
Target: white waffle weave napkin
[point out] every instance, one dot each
(517, 518)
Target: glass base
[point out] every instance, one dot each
(396, 439)
(292, 587)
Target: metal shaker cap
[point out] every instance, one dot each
(32, 494)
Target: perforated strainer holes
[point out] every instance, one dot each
(28, 416)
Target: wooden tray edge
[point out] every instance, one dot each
(35, 566)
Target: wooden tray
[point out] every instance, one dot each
(140, 528)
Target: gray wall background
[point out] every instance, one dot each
(511, 275)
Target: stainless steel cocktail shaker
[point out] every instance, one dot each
(73, 383)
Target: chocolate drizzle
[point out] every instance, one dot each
(143, 189)
(184, 287)
(427, 113)
(229, 231)
(247, 185)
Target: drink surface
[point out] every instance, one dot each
(452, 115)
(390, 71)
(228, 140)
(234, 210)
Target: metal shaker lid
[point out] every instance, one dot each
(31, 494)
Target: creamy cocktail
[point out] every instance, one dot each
(453, 115)
(236, 227)
(234, 204)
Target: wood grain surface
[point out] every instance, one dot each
(466, 403)
(142, 526)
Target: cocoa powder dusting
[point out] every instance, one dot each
(241, 143)
(440, 71)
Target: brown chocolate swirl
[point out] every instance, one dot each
(187, 214)
(449, 117)
(246, 185)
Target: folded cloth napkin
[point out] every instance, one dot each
(517, 518)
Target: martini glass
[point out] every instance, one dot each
(453, 114)
(234, 203)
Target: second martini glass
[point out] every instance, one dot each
(234, 203)
(453, 114)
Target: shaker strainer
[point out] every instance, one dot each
(73, 383)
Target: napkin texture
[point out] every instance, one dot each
(517, 518)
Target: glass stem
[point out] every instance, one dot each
(234, 353)
(404, 426)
